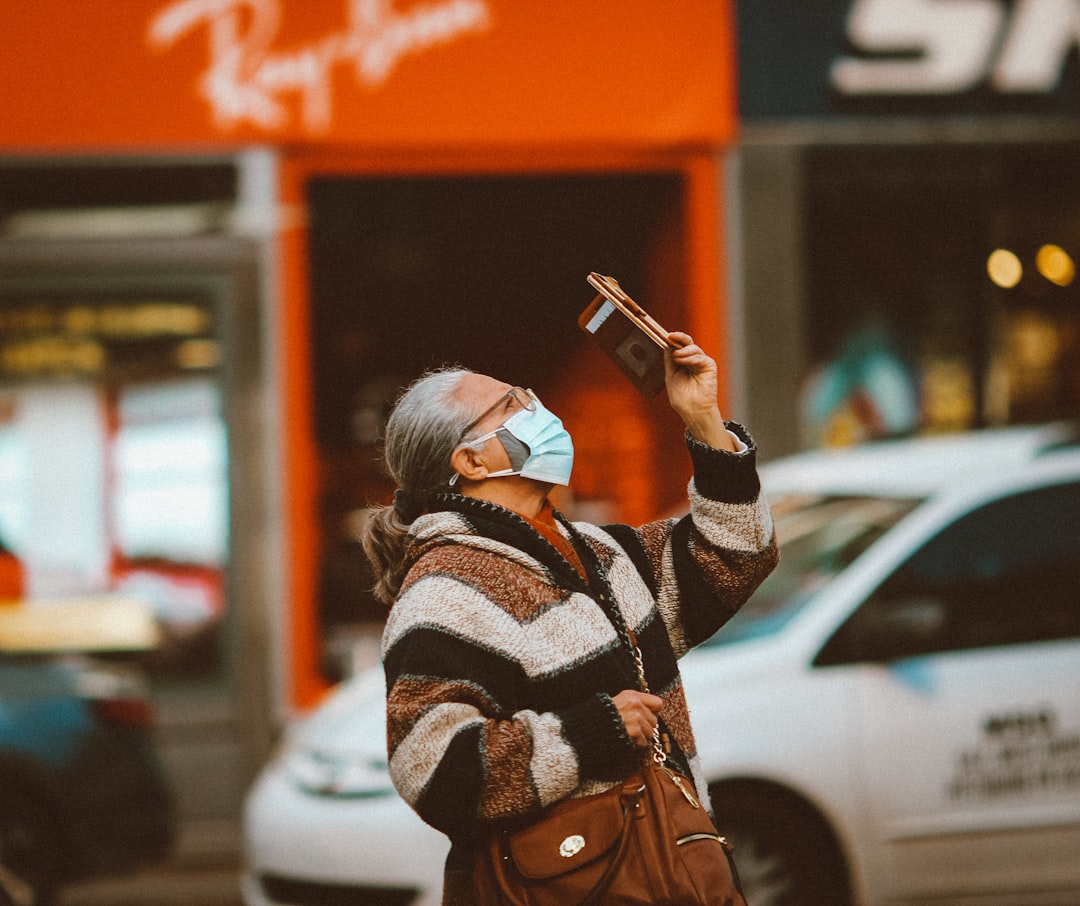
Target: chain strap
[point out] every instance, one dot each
(659, 756)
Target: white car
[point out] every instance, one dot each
(894, 718)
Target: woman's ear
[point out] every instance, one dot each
(468, 463)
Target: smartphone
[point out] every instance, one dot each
(630, 337)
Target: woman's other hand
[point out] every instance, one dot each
(638, 711)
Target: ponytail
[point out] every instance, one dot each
(422, 432)
(383, 538)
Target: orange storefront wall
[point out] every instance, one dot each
(209, 74)
(386, 87)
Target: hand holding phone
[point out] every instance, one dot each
(629, 336)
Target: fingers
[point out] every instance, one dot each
(638, 711)
(687, 354)
(679, 339)
(692, 381)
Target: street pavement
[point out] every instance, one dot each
(163, 886)
(203, 870)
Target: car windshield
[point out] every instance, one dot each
(818, 537)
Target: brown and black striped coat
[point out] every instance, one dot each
(502, 660)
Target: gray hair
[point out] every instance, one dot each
(423, 430)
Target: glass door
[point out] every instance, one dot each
(122, 436)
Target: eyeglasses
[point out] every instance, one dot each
(525, 399)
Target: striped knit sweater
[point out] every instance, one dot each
(502, 660)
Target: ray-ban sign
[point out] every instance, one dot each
(249, 80)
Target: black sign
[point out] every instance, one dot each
(889, 57)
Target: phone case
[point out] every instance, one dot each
(632, 339)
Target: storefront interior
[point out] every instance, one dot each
(910, 325)
(487, 272)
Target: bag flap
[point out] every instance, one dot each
(571, 834)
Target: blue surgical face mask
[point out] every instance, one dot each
(538, 445)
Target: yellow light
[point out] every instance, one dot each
(1004, 268)
(1054, 263)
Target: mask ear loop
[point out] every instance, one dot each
(503, 474)
(521, 448)
(467, 443)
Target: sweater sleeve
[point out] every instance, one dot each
(704, 567)
(458, 751)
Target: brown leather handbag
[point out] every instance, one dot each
(646, 841)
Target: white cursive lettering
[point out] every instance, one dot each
(247, 80)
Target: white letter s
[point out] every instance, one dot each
(953, 38)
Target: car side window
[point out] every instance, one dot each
(1004, 574)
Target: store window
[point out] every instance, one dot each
(169, 515)
(113, 469)
(941, 290)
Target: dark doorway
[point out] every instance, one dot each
(486, 272)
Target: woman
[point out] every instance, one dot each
(509, 645)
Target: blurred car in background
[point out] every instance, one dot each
(893, 718)
(323, 824)
(81, 789)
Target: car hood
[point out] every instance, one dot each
(340, 748)
(913, 467)
(352, 719)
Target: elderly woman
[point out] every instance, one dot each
(509, 645)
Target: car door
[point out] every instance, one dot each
(969, 698)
